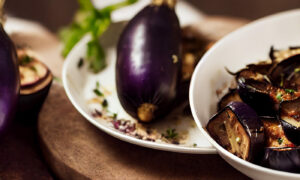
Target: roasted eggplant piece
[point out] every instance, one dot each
(274, 134)
(36, 80)
(256, 94)
(286, 74)
(289, 116)
(239, 130)
(283, 159)
(148, 62)
(231, 96)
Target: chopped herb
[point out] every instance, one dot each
(281, 80)
(289, 91)
(33, 68)
(279, 97)
(171, 133)
(98, 92)
(105, 103)
(89, 20)
(25, 60)
(97, 85)
(194, 145)
(80, 63)
(297, 70)
(115, 115)
(280, 140)
(57, 79)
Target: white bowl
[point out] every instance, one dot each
(246, 45)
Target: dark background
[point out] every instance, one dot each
(55, 13)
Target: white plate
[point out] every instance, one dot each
(247, 45)
(79, 84)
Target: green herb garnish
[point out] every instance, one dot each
(280, 140)
(170, 133)
(105, 103)
(289, 91)
(57, 79)
(33, 68)
(98, 92)
(281, 80)
(25, 60)
(279, 96)
(297, 70)
(80, 63)
(194, 145)
(89, 20)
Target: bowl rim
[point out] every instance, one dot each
(219, 148)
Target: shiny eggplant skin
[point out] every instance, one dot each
(286, 74)
(253, 92)
(289, 116)
(148, 63)
(283, 159)
(249, 121)
(231, 96)
(9, 80)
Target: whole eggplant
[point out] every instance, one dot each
(148, 64)
(9, 80)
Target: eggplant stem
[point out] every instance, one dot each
(146, 112)
(170, 3)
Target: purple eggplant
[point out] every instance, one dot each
(257, 95)
(9, 80)
(231, 96)
(284, 159)
(35, 81)
(286, 74)
(289, 116)
(148, 62)
(239, 130)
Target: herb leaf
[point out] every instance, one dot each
(280, 140)
(289, 91)
(170, 133)
(98, 92)
(88, 19)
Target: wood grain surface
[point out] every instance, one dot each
(75, 149)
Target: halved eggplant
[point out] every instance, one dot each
(239, 130)
(36, 80)
(231, 96)
(289, 116)
(283, 159)
(286, 74)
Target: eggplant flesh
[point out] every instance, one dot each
(148, 63)
(289, 116)
(238, 129)
(274, 134)
(283, 159)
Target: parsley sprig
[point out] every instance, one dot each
(90, 20)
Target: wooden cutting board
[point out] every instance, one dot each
(75, 149)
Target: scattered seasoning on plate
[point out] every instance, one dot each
(80, 63)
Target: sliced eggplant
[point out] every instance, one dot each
(239, 130)
(289, 116)
(257, 95)
(286, 74)
(274, 134)
(283, 159)
(231, 96)
(36, 80)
